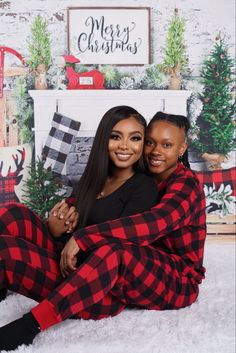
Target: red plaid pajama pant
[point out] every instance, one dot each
(109, 279)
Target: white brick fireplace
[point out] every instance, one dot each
(88, 107)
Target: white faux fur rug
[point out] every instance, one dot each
(208, 326)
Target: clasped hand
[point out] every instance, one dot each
(62, 219)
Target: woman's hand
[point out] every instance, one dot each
(62, 219)
(69, 257)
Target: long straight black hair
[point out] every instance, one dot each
(98, 166)
(180, 121)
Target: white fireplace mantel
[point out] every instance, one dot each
(88, 107)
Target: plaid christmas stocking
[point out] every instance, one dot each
(58, 143)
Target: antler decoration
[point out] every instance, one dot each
(19, 165)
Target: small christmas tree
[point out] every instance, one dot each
(175, 58)
(40, 51)
(40, 44)
(214, 126)
(42, 190)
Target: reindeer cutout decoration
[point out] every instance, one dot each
(9, 181)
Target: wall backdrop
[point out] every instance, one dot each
(204, 20)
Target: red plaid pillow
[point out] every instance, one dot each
(220, 190)
(218, 177)
(14, 162)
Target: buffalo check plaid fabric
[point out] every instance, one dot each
(151, 260)
(59, 141)
(7, 188)
(14, 169)
(176, 223)
(218, 177)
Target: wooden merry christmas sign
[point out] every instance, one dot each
(115, 35)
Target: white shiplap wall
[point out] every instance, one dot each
(203, 21)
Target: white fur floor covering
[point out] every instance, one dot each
(208, 326)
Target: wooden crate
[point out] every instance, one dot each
(219, 225)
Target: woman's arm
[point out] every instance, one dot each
(183, 198)
(132, 199)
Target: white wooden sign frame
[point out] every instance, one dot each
(109, 35)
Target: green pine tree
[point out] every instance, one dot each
(215, 127)
(42, 190)
(175, 55)
(175, 58)
(40, 44)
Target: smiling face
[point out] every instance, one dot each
(126, 142)
(165, 143)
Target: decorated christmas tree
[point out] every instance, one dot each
(42, 190)
(215, 127)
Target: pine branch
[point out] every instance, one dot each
(42, 190)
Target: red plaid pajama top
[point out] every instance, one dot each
(176, 225)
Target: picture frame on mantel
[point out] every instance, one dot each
(109, 35)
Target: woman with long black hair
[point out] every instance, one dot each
(116, 158)
(113, 185)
